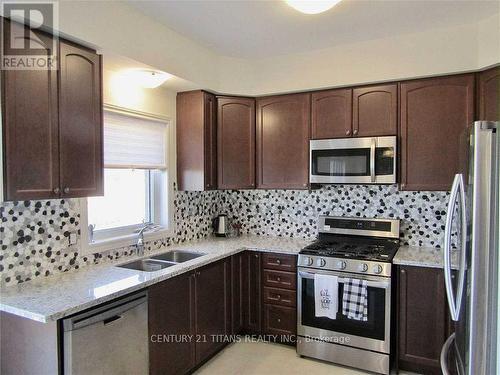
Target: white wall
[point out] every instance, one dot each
(488, 41)
(118, 28)
(119, 92)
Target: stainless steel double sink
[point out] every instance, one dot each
(161, 261)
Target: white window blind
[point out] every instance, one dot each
(133, 142)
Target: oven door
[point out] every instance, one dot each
(353, 160)
(374, 334)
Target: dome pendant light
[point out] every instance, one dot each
(312, 6)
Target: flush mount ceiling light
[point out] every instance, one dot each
(149, 79)
(312, 6)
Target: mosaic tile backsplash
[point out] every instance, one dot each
(34, 234)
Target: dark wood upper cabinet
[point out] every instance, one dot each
(30, 129)
(80, 122)
(488, 94)
(236, 143)
(375, 111)
(196, 141)
(422, 319)
(213, 307)
(52, 125)
(331, 114)
(283, 124)
(171, 312)
(435, 114)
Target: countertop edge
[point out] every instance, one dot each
(132, 289)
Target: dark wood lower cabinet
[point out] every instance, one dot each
(212, 307)
(252, 292)
(422, 319)
(171, 313)
(189, 316)
(279, 279)
(237, 294)
(192, 316)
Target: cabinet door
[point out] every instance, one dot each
(252, 304)
(237, 294)
(422, 314)
(375, 111)
(331, 114)
(213, 308)
(210, 149)
(196, 141)
(80, 116)
(236, 143)
(488, 94)
(171, 313)
(283, 141)
(435, 114)
(30, 128)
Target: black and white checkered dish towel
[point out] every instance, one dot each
(355, 299)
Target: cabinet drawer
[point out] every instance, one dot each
(279, 262)
(281, 297)
(280, 279)
(279, 320)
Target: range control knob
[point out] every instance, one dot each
(377, 268)
(321, 262)
(308, 261)
(363, 267)
(341, 264)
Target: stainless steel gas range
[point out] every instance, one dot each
(349, 248)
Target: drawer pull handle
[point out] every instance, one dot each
(278, 261)
(278, 296)
(279, 320)
(278, 278)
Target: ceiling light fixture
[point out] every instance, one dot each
(148, 79)
(312, 6)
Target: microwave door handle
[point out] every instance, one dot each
(373, 146)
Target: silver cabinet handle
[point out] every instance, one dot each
(443, 358)
(455, 302)
(57, 190)
(66, 190)
(373, 145)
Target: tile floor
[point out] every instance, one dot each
(259, 358)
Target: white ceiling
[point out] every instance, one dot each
(258, 29)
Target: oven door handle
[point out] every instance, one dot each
(370, 283)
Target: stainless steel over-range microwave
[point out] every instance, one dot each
(370, 160)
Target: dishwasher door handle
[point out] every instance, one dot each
(111, 319)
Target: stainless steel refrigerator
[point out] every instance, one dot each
(471, 261)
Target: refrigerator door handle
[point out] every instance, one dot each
(443, 358)
(454, 302)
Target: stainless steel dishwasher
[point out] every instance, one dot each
(111, 339)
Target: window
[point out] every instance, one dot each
(135, 181)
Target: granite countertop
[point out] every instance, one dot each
(422, 257)
(51, 298)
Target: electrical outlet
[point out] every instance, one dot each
(72, 239)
